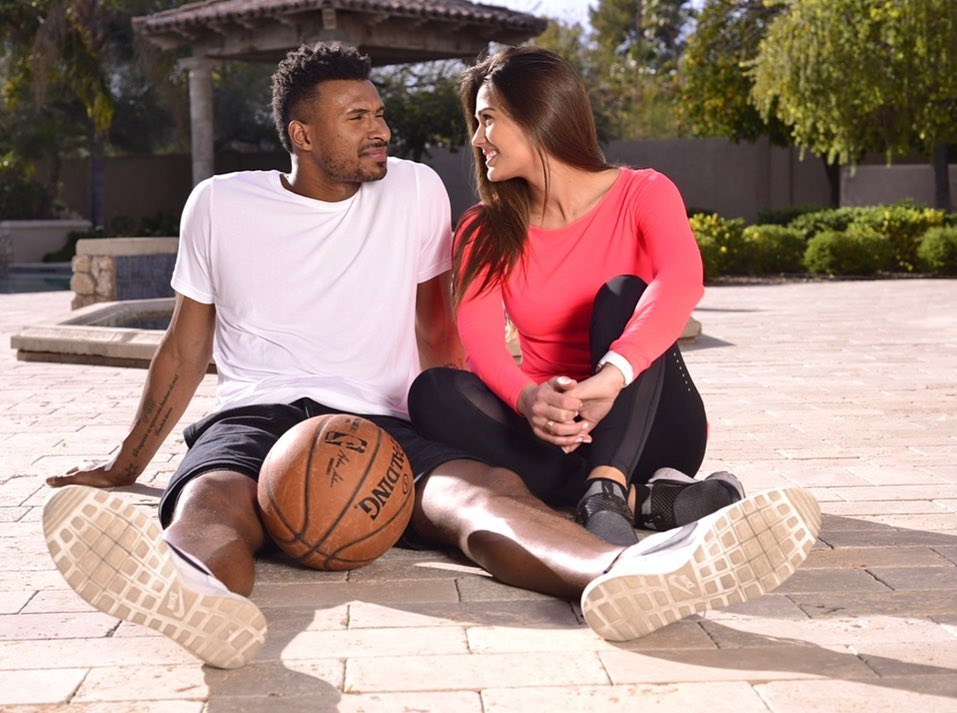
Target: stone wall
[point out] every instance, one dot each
(111, 269)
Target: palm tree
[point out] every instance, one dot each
(56, 50)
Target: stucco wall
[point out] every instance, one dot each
(888, 184)
(736, 180)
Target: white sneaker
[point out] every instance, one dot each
(735, 554)
(115, 557)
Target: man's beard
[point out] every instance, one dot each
(363, 171)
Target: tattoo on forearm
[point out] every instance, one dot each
(156, 415)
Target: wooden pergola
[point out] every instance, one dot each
(389, 31)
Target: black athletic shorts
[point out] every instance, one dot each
(238, 439)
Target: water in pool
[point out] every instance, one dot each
(35, 278)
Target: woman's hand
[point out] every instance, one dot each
(597, 394)
(553, 414)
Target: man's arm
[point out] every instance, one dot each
(175, 373)
(435, 329)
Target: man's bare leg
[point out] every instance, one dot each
(491, 516)
(115, 556)
(730, 556)
(216, 521)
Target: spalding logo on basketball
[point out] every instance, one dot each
(336, 492)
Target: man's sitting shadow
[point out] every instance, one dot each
(867, 592)
(319, 620)
(826, 620)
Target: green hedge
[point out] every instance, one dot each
(938, 251)
(721, 242)
(858, 250)
(785, 216)
(729, 248)
(773, 249)
(903, 225)
(820, 221)
(848, 241)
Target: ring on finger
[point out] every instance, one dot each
(549, 425)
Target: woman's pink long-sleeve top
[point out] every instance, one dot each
(638, 228)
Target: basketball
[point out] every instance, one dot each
(336, 492)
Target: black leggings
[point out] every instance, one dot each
(658, 420)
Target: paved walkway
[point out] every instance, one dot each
(849, 389)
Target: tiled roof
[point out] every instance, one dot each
(198, 14)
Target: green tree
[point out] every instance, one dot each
(716, 91)
(616, 24)
(149, 88)
(570, 41)
(855, 76)
(628, 64)
(634, 63)
(422, 106)
(650, 31)
(242, 112)
(717, 63)
(67, 66)
(60, 45)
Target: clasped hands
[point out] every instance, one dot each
(564, 411)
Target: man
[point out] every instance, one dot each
(327, 290)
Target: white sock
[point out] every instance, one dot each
(196, 574)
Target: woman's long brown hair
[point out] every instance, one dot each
(547, 99)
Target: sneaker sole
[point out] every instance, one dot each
(750, 548)
(113, 555)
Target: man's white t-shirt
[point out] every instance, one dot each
(314, 299)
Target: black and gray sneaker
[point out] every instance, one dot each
(671, 499)
(603, 511)
(730, 556)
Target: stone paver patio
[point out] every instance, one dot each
(847, 388)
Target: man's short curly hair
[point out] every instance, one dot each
(302, 71)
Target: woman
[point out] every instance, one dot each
(597, 269)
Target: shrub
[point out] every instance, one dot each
(938, 250)
(773, 249)
(161, 225)
(66, 253)
(721, 244)
(23, 197)
(784, 216)
(830, 219)
(903, 224)
(856, 251)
